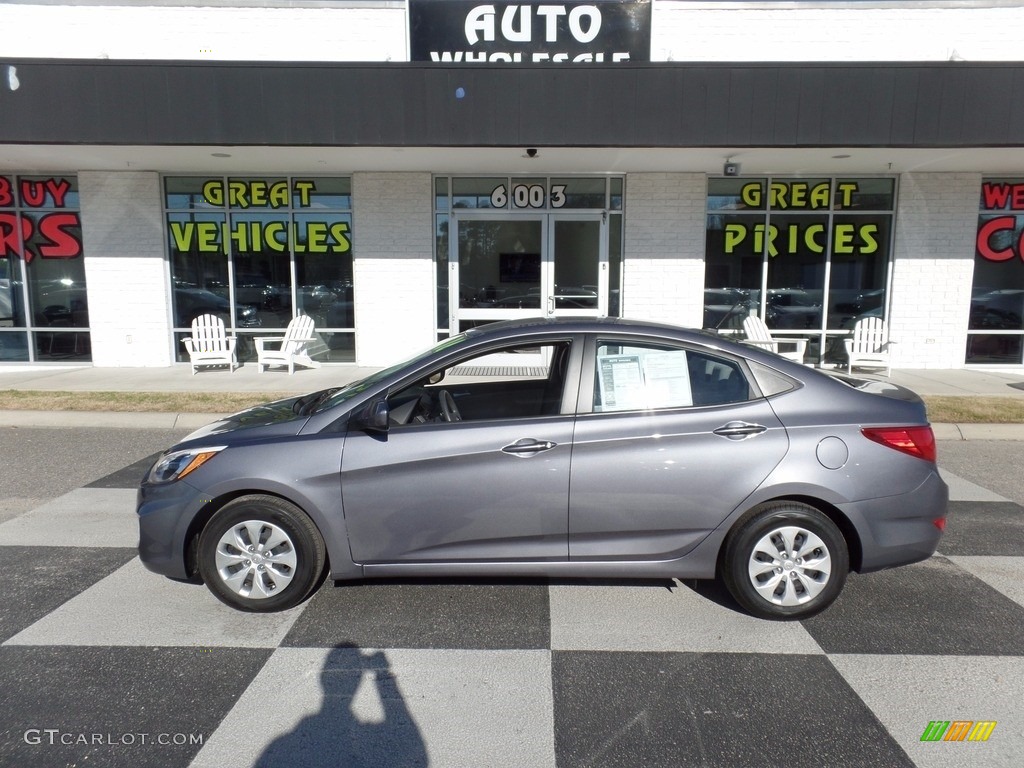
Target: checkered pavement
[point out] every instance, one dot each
(103, 663)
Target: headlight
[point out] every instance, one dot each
(176, 465)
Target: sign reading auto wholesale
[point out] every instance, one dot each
(464, 31)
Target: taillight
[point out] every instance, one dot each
(916, 441)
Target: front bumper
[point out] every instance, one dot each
(165, 514)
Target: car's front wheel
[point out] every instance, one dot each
(261, 553)
(786, 561)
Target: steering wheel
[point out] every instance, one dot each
(449, 411)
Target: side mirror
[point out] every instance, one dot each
(374, 417)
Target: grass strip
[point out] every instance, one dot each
(134, 402)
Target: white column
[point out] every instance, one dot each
(125, 270)
(663, 267)
(933, 268)
(393, 265)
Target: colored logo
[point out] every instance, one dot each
(958, 730)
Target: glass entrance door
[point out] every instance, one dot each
(547, 265)
(579, 267)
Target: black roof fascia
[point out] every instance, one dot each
(942, 104)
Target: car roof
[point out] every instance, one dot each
(580, 325)
(514, 329)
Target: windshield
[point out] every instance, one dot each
(357, 387)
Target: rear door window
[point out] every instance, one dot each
(631, 377)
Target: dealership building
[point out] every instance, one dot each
(403, 170)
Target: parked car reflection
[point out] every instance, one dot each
(726, 307)
(190, 302)
(258, 291)
(793, 308)
(998, 309)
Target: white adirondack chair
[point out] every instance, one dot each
(869, 345)
(291, 349)
(758, 335)
(209, 344)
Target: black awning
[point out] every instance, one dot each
(945, 104)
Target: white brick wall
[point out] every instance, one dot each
(933, 268)
(819, 31)
(191, 33)
(392, 233)
(126, 275)
(680, 31)
(663, 272)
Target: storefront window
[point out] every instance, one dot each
(43, 303)
(809, 256)
(257, 251)
(996, 325)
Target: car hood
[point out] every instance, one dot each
(280, 417)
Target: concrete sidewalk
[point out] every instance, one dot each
(179, 378)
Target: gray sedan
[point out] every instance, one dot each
(593, 449)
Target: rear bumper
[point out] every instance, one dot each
(898, 530)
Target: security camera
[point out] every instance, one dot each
(731, 169)
(531, 151)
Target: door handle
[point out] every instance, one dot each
(528, 447)
(739, 430)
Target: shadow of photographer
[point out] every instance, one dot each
(362, 723)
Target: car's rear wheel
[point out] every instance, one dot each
(261, 553)
(786, 561)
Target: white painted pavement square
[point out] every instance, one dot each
(85, 517)
(964, 490)
(360, 708)
(652, 618)
(134, 607)
(1005, 574)
(908, 692)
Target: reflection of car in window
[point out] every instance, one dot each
(313, 297)
(189, 303)
(792, 308)
(257, 291)
(1002, 309)
(7, 302)
(726, 307)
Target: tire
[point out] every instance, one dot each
(771, 585)
(241, 570)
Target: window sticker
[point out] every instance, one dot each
(643, 381)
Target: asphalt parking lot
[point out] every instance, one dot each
(103, 663)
